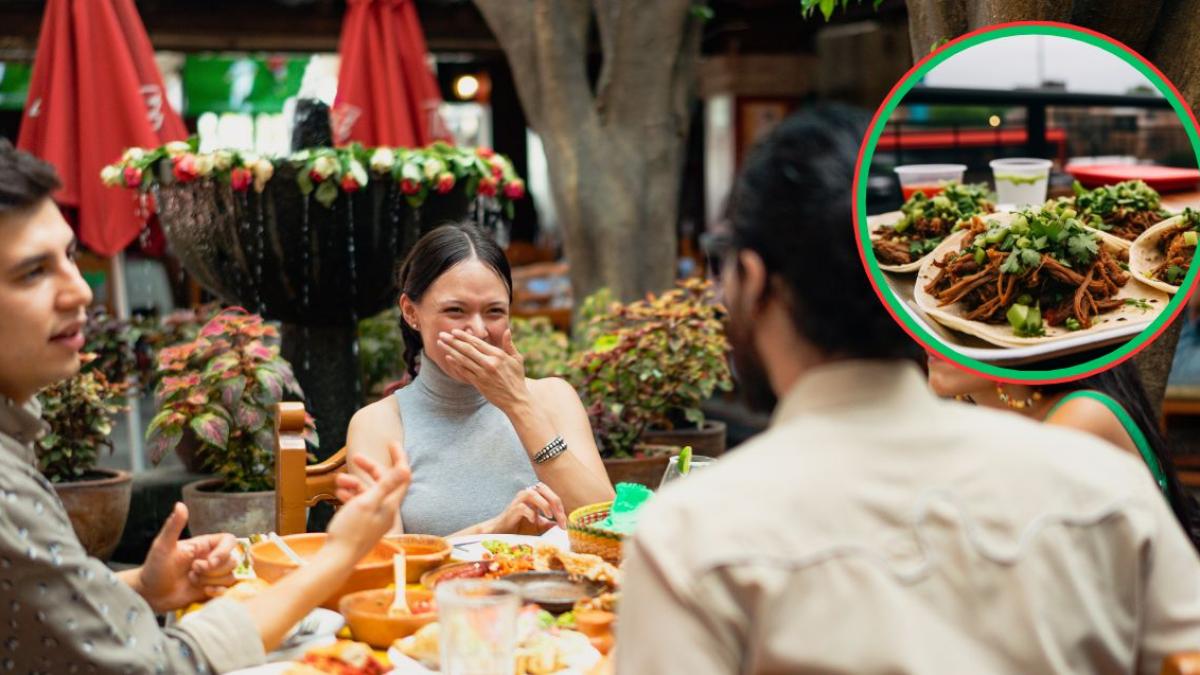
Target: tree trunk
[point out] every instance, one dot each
(614, 153)
(1161, 30)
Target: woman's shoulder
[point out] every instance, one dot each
(382, 414)
(551, 389)
(1088, 413)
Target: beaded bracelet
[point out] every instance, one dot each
(554, 448)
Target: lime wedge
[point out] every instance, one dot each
(685, 460)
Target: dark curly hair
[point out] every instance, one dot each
(434, 253)
(25, 180)
(792, 206)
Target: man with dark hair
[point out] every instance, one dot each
(874, 527)
(62, 611)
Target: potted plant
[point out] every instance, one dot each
(650, 365)
(80, 413)
(218, 391)
(545, 349)
(381, 351)
(113, 342)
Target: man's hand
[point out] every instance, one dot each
(178, 573)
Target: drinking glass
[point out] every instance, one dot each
(478, 620)
(1021, 181)
(698, 462)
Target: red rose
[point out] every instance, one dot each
(316, 177)
(240, 179)
(133, 176)
(409, 186)
(487, 187)
(349, 184)
(497, 172)
(484, 151)
(445, 182)
(515, 189)
(185, 168)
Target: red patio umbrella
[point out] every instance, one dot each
(95, 90)
(386, 92)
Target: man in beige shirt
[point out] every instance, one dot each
(873, 527)
(64, 612)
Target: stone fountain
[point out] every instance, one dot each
(315, 269)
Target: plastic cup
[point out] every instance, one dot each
(928, 178)
(1021, 181)
(478, 626)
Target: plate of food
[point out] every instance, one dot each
(339, 657)
(1162, 255)
(1119, 213)
(1033, 278)
(542, 647)
(504, 559)
(555, 592)
(483, 547)
(902, 240)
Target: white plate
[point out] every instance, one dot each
(470, 547)
(266, 669)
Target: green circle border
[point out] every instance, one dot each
(867, 156)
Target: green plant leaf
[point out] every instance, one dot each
(327, 193)
(271, 383)
(250, 418)
(211, 429)
(162, 442)
(231, 391)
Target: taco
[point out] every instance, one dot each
(1162, 256)
(1031, 277)
(1123, 211)
(903, 239)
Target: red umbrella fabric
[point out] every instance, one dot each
(386, 93)
(95, 90)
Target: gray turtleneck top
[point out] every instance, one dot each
(467, 461)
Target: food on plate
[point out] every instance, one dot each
(926, 221)
(1037, 269)
(344, 657)
(1124, 210)
(1163, 254)
(586, 565)
(542, 647)
(508, 558)
(605, 602)
(505, 559)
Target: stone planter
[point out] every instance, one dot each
(239, 513)
(707, 440)
(647, 470)
(98, 508)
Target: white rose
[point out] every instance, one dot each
(132, 154)
(176, 148)
(324, 166)
(204, 165)
(382, 160)
(111, 175)
(263, 170)
(222, 160)
(434, 168)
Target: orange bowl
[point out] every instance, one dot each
(422, 552)
(366, 613)
(373, 571)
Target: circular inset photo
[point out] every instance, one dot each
(1027, 202)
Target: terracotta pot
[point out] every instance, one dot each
(98, 509)
(422, 552)
(240, 513)
(707, 440)
(367, 615)
(647, 470)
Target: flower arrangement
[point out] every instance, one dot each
(80, 413)
(652, 363)
(327, 173)
(222, 387)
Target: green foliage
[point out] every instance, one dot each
(807, 7)
(80, 413)
(651, 363)
(381, 349)
(546, 350)
(222, 388)
(1054, 230)
(114, 342)
(1107, 200)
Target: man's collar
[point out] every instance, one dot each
(22, 422)
(853, 383)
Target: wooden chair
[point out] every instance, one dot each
(1182, 663)
(299, 486)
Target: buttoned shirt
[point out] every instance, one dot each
(62, 611)
(875, 528)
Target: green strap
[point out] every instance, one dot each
(1131, 428)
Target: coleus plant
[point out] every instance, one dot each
(651, 364)
(221, 388)
(80, 412)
